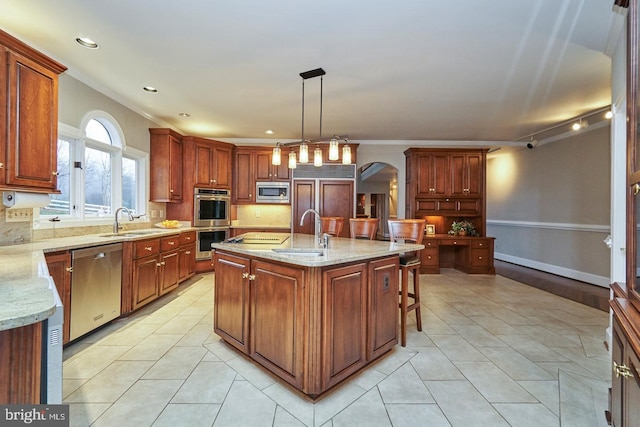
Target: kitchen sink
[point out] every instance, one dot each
(299, 251)
(131, 233)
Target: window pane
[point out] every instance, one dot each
(96, 130)
(129, 184)
(60, 203)
(97, 186)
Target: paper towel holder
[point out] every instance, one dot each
(15, 199)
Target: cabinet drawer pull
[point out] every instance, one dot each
(158, 264)
(480, 244)
(1, 165)
(188, 252)
(148, 248)
(163, 263)
(429, 257)
(479, 257)
(455, 243)
(245, 275)
(171, 243)
(171, 191)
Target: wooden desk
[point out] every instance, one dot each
(473, 255)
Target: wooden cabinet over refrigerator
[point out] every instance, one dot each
(329, 189)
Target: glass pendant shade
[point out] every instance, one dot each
(292, 160)
(317, 157)
(275, 156)
(346, 155)
(304, 153)
(333, 150)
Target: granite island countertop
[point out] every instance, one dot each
(26, 291)
(340, 250)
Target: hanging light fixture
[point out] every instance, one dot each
(304, 153)
(292, 159)
(334, 147)
(346, 154)
(276, 155)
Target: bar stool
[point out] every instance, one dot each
(363, 228)
(332, 225)
(409, 231)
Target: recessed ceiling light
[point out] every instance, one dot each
(269, 132)
(87, 42)
(184, 114)
(150, 89)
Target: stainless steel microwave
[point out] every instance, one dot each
(273, 192)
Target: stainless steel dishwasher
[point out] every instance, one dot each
(95, 287)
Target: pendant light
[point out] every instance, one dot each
(304, 153)
(333, 149)
(317, 157)
(275, 156)
(292, 159)
(346, 154)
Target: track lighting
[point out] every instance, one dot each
(531, 144)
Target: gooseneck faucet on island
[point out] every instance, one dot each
(318, 229)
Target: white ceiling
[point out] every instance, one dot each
(419, 70)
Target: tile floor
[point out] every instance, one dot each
(493, 352)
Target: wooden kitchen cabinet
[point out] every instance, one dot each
(231, 297)
(169, 269)
(625, 379)
(265, 171)
(344, 316)
(29, 113)
(253, 165)
(335, 198)
(445, 182)
(383, 303)
(212, 163)
(244, 184)
(277, 314)
(472, 255)
(59, 265)
(187, 255)
(166, 166)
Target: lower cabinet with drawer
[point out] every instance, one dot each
(156, 267)
(473, 255)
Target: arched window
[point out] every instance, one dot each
(97, 173)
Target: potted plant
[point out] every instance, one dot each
(463, 228)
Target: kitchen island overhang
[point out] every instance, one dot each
(312, 320)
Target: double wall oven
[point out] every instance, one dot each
(211, 217)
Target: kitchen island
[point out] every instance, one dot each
(312, 316)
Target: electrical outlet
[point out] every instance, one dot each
(19, 215)
(257, 214)
(154, 213)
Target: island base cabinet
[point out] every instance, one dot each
(384, 282)
(231, 300)
(344, 323)
(277, 319)
(20, 371)
(311, 326)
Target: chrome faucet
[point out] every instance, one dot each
(318, 228)
(116, 226)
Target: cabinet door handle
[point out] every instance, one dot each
(148, 248)
(252, 277)
(158, 264)
(69, 269)
(479, 257)
(54, 173)
(636, 189)
(622, 371)
(171, 191)
(163, 263)
(171, 243)
(188, 252)
(245, 275)
(1, 165)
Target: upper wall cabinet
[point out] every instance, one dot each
(29, 110)
(166, 165)
(212, 163)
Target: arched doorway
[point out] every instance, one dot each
(377, 194)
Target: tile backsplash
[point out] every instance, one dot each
(12, 233)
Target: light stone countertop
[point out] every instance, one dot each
(341, 250)
(26, 296)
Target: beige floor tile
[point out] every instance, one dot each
(236, 411)
(431, 365)
(92, 360)
(527, 415)
(331, 405)
(151, 348)
(196, 335)
(84, 414)
(285, 419)
(180, 324)
(514, 364)
(477, 336)
(463, 405)
(208, 383)
(494, 384)
(292, 403)
(416, 415)
(404, 386)
(187, 414)
(368, 410)
(176, 364)
(546, 392)
(457, 349)
(111, 383)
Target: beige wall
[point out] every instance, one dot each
(548, 207)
